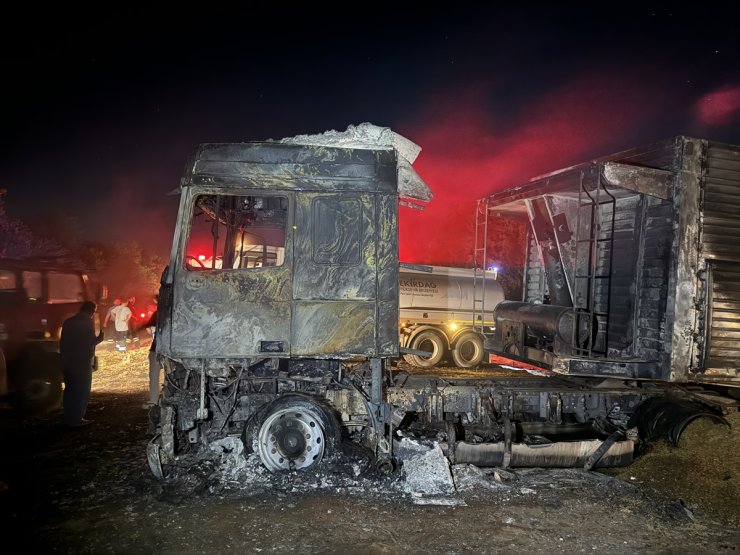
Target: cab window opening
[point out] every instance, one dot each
(231, 232)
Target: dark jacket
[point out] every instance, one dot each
(152, 323)
(77, 343)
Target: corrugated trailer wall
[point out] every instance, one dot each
(720, 242)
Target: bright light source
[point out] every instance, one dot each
(452, 325)
(201, 257)
(494, 271)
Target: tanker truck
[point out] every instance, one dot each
(279, 308)
(438, 314)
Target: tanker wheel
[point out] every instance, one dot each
(431, 342)
(468, 351)
(297, 433)
(37, 382)
(409, 359)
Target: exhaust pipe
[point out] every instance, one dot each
(563, 454)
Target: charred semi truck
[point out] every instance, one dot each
(439, 314)
(278, 328)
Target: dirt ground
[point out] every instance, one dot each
(89, 490)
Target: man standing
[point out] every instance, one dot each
(110, 320)
(77, 350)
(121, 316)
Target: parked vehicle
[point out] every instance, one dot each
(439, 314)
(36, 296)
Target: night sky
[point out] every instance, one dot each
(101, 112)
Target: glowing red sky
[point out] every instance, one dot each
(464, 157)
(100, 120)
(720, 107)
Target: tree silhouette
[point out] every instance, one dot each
(17, 239)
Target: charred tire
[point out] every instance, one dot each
(36, 380)
(431, 342)
(468, 351)
(294, 432)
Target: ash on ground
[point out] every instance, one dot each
(425, 476)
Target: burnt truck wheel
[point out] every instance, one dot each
(36, 382)
(39, 391)
(468, 351)
(296, 433)
(432, 343)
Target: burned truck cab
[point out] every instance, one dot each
(275, 259)
(282, 281)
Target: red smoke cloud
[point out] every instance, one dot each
(464, 157)
(138, 208)
(720, 107)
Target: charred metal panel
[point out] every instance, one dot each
(226, 313)
(660, 155)
(335, 250)
(617, 368)
(534, 274)
(388, 275)
(648, 181)
(544, 231)
(563, 212)
(681, 309)
(279, 166)
(330, 329)
(335, 283)
(653, 279)
(527, 400)
(387, 258)
(623, 283)
(387, 328)
(229, 314)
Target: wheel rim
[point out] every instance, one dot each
(291, 439)
(429, 346)
(430, 343)
(37, 389)
(468, 350)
